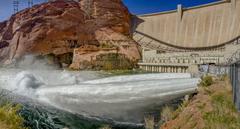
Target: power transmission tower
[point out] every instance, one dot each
(30, 3)
(15, 6)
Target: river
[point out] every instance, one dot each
(90, 96)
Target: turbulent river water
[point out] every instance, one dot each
(92, 96)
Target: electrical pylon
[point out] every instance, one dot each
(15, 6)
(30, 3)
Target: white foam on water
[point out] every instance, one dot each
(128, 78)
(26, 83)
(122, 98)
(123, 91)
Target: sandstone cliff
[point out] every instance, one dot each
(81, 33)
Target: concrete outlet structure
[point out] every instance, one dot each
(182, 39)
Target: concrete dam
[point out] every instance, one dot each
(181, 40)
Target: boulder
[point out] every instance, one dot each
(86, 29)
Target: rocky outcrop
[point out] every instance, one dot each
(87, 29)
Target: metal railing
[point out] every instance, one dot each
(233, 71)
(235, 78)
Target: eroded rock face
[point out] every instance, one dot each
(87, 29)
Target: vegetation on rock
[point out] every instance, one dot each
(167, 113)
(9, 118)
(112, 61)
(206, 81)
(106, 127)
(211, 108)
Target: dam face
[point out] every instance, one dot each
(175, 40)
(201, 26)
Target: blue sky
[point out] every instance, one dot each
(135, 6)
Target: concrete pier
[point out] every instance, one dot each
(164, 68)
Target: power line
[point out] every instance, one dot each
(15, 6)
(30, 3)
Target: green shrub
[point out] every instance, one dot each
(149, 122)
(224, 77)
(108, 66)
(167, 113)
(113, 61)
(180, 108)
(206, 81)
(9, 118)
(106, 127)
(224, 115)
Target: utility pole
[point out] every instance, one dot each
(30, 3)
(15, 6)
